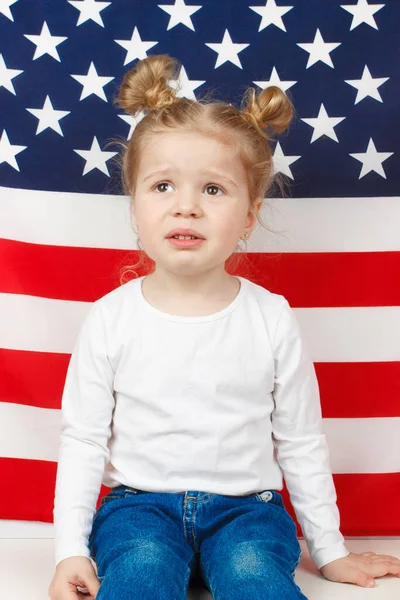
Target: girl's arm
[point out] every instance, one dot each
(303, 455)
(87, 408)
(301, 446)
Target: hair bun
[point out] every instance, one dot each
(145, 87)
(271, 108)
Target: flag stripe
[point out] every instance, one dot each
(347, 389)
(359, 389)
(348, 439)
(41, 427)
(356, 503)
(357, 496)
(297, 224)
(344, 279)
(43, 381)
(13, 529)
(47, 325)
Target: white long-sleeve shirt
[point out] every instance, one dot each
(168, 403)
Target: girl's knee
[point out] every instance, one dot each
(146, 567)
(255, 559)
(139, 552)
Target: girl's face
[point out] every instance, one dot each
(190, 181)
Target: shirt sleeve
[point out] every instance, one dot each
(86, 417)
(301, 447)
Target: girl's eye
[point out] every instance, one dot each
(161, 183)
(212, 186)
(216, 187)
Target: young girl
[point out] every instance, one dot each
(190, 392)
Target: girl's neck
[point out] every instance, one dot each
(190, 297)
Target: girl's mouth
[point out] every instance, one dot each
(192, 243)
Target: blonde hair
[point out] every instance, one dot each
(247, 131)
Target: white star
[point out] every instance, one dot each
(274, 80)
(89, 9)
(93, 83)
(226, 51)
(135, 47)
(362, 13)
(95, 158)
(5, 8)
(180, 13)
(372, 160)
(323, 125)
(132, 121)
(6, 75)
(319, 50)
(367, 85)
(282, 162)
(271, 14)
(185, 87)
(48, 117)
(8, 151)
(46, 43)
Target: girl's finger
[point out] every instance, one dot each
(381, 568)
(387, 557)
(359, 577)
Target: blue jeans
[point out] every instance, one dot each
(152, 545)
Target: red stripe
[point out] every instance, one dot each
(326, 279)
(59, 272)
(306, 279)
(368, 504)
(43, 377)
(347, 389)
(28, 494)
(357, 389)
(27, 489)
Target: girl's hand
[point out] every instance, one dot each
(361, 569)
(71, 573)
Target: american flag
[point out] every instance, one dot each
(334, 246)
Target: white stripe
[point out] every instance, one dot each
(331, 225)
(370, 445)
(300, 224)
(348, 334)
(29, 432)
(25, 529)
(66, 219)
(40, 324)
(332, 334)
(349, 440)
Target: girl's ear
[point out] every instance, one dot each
(258, 204)
(252, 214)
(255, 209)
